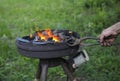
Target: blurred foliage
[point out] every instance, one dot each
(88, 17)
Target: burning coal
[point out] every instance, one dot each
(47, 35)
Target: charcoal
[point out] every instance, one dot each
(36, 38)
(44, 33)
(64, 36)
(42, 40)
(49, 39)
(55, 32)
(61, 35)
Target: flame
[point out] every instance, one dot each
(48, 34)
(31, 35)
(43, 37)
(56, 38)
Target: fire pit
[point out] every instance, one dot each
(35, 47)
(50, 47)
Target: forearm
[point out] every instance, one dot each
(116, 27)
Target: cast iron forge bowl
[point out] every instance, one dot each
(46, 50)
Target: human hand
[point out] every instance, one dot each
(107, 36)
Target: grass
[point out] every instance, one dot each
(88, 17)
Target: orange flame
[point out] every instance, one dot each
(48, 34)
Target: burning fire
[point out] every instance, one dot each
(47, 34)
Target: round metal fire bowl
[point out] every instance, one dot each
(47, 50)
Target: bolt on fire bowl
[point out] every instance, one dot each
(50, 47)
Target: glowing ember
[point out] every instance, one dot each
(42, 37)
(47, 34)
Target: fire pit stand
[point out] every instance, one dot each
(44, 64)
(51, 53)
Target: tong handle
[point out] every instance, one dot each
(86, 38)
(98, 40)
(76, 41)
(92, 38)
(79, 41)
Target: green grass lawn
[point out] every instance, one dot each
(87, 17)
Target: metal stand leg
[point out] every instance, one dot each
(38, 73)
(68, 72)
(44, 72)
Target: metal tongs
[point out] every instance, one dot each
(79, 41)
